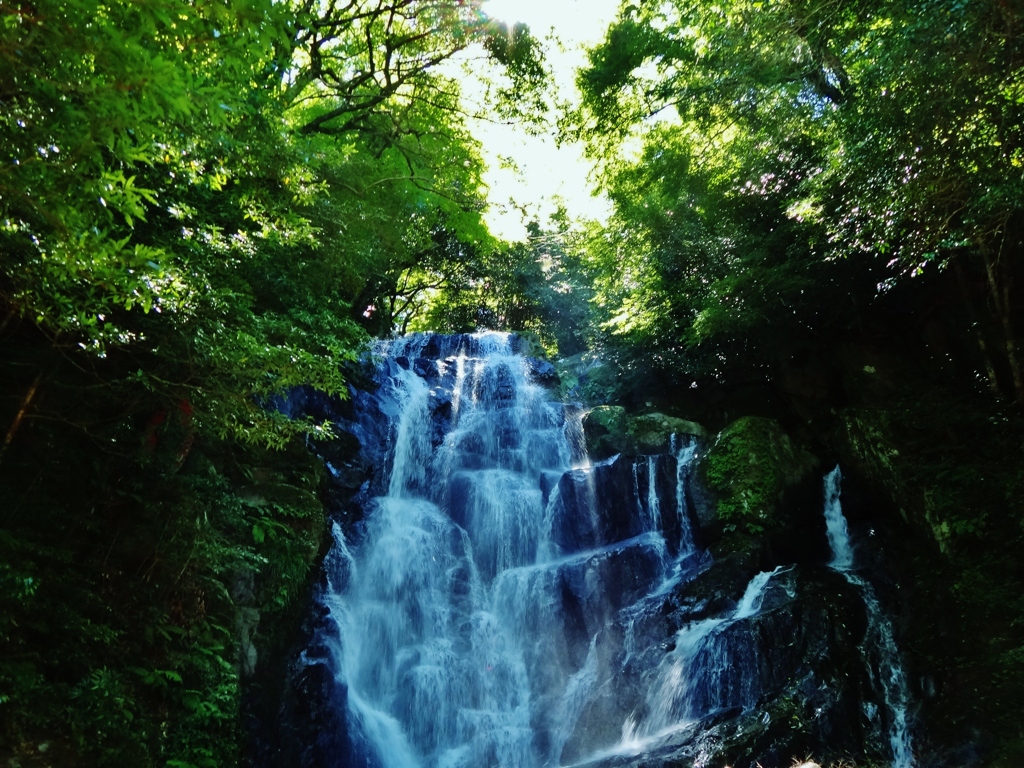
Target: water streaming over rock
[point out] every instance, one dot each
(700, 676)
(505, 602)
(879, 644)
(475, 590)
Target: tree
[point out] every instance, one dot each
(184, 237)
(886, 134)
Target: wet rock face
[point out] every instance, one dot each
(788, 679)
(543, 372)
(608, 605)
(595, 507)
(614, 501)
(610, 430)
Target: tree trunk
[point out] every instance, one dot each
(979, 334)
(26, 403)
(997, 272)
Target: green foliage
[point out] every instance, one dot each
(121, 645)
(541, 287)
(956, 461)
(750, 465)
(803, 155)
(374, 63)
(201, 205)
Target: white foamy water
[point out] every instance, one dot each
(879, 640)
(448, 601)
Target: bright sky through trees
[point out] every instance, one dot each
(541, 171)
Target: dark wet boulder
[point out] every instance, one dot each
(548, 482)
(440, 406)
(656, 483)
(772, 687)
(612, 501)
(542, 372)
(312, 730)
(426, 369)
(596, 506)
(346, 463)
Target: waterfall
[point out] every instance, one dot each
(467, 608)
(879, 640)
(684, 454)
(497, 599)
(835, 522)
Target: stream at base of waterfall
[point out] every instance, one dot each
(504, 602)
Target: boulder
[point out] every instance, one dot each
(542, 372)
(652, 432)
(606, 431)
(748, 470)
(609, 430)
(595, 507)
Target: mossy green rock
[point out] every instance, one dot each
(748, 469)
(652, 432)
(610, 430)
(606, 431)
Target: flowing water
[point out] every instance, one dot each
(450, 617)
(506, 602)
(699, 676)
(879, 643)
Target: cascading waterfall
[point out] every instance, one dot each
(505, 602)
(879, 640)
(451, 633)
(684, 453)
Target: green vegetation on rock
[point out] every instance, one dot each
(749, 467)
(651, 432)
(609, 429)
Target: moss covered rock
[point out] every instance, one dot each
(606, 428)
(610, 430)
(748, 469)
(652, 432)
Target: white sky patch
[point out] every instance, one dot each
(543, 173)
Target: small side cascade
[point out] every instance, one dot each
(705, 672)
(653, 505)
(835, 524)
(684, 454)
(879, 641)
